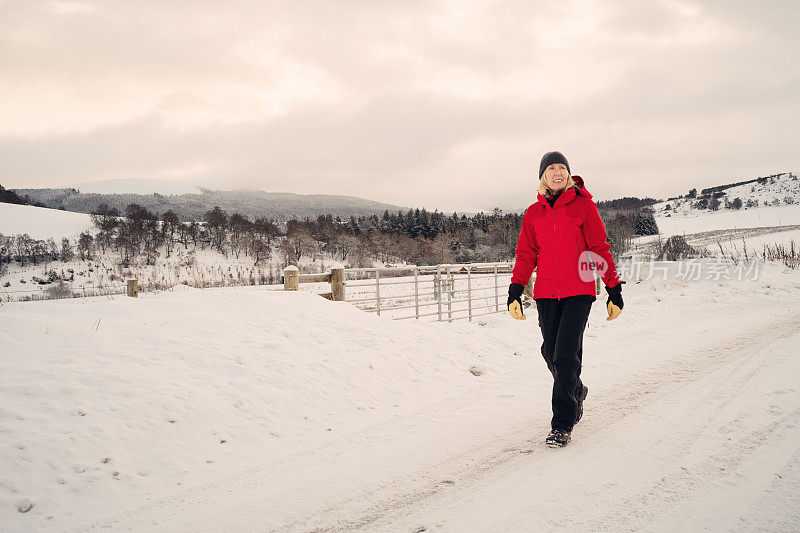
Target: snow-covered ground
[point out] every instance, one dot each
(733, 228)
(244, 409)
(42, 223)
(731, 242)
(103, 274)
(729, 229)
(724, 219)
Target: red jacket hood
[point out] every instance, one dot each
(579, 188)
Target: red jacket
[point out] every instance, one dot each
(556, 240)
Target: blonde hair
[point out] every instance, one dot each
(545, 191)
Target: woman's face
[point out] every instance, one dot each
(555, 176)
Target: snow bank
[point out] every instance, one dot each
(116, 399)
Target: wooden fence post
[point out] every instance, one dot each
(133, 288)
(291, 278)
(337, 284)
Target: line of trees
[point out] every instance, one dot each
(719, 199)
(625, 224)
(416, 236)
(26, 250)
(11, 197)
(141, 233)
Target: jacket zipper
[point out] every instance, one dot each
(555, 249)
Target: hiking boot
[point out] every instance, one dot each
(558, 438)
(580, 403)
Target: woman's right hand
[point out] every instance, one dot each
(515, 291)
(614, 304)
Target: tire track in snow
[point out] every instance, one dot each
(697, 469)
(732, 362)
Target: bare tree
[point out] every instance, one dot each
(287, 250)
(240, 226)
(300, 239)
(106, 220)
(442, 249)
(169, 224)
(345, 245)
(216, 220)
(67, 252)
(85, 245)
(260, 250)
(266, 229)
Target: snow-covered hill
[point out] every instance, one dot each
(772, 218)
(42, 223)
(245, 409)
(774, 191)
(694, 222)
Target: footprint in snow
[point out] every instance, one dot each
(23, 506)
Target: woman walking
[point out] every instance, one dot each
(562, 233)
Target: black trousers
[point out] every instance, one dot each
(562, 323)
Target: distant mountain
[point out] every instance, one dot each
(279, 206)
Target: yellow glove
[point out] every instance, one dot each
(516, 311)
(613, 311)
(614, 304)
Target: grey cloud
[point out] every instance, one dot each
(661, 116)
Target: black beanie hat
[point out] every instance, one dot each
(550, 158)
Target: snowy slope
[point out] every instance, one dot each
(247, 409)
(772, 211)
(730, 229)
(701, 221)
(42, 223)
(773, 192)
(733, 229)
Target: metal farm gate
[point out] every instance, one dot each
(447, 292)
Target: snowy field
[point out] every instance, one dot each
(42, 223)
(731, 242)
(730, 230)
(104, 274)
(733, 229)
(243, 409)
(724, 219)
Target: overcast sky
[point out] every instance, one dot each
(441, 104)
